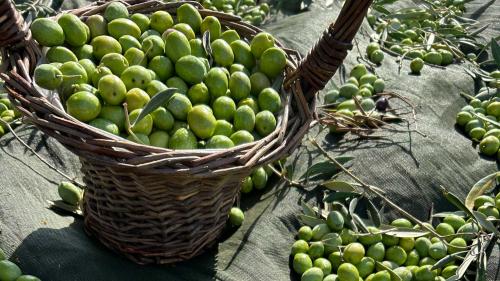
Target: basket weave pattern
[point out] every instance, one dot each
(150, 204)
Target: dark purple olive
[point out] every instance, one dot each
(382, 104)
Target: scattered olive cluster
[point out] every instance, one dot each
(361, 86)
(374, 53)
(480, 119)
(8, 114)
(9, 271)
(406, 32)
(223, 95)
(256, 181)
(330, 251)
(249, 10)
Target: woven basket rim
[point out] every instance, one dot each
(152, 157)
(303, 79)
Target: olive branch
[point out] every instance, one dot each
(477, 252)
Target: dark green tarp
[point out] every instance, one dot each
(409, 167)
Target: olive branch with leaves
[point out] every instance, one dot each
(359, 192)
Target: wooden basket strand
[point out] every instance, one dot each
(156, 205)
(323, 60)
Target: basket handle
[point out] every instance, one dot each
(13, 30)
(16, 46)
(319, 66)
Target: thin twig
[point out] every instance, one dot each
(40, 157)
(374, 191)
(283, 177)
(377, 192)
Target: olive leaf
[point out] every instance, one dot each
(484, 74)
(481, 187)
(325, 169)
(338, 196)
(34, 9)
(373, 212)
(352, 205)
(384, 36)
(480, 74)
(485, 223)
(497, 124)
(447, 259)
(338, 186)
(310, 221)
(466, 20)
(307, 210)
(495, 51)
(468, 42)
(431, 212)
(237, 6)
(430, 41)
(402, 232)
(359, 222)
(453, 199)
(158, 100)
(351, 225)
(446, 214)
(394, 276)
(63, 206)
(485, 95)
(417, 15)
(451, 31)
(389, 117)
(336, 206)
(321, 213)
(384, 2)
(381, 9)
(398, 35)
(482, 262)
(207, 45)
(479, 30)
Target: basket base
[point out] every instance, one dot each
(156, 219)
(162, 257)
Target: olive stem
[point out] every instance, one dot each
(496, 124)
(363, 59)
(69, 76)
(337, 119)
(39, 156)
(282, 176)
(128, 126)
(357, 129)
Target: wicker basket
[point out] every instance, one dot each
(156, 205)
